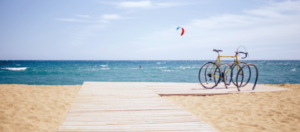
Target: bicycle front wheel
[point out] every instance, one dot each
(245, 74)
(239, 84)
(209, 75)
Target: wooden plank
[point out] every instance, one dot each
(107, 106)
(197, 89)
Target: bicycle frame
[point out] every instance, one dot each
(218, 62)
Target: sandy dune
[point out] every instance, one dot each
(39, 108)
(247, 112)
(34, 108)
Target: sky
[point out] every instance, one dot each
(146, 29)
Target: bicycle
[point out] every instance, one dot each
(214, 72)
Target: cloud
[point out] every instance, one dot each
(103, 19)
(75, 19)
(277, 21)
(272, 27)
(111, 16)
(71, 20)
(139, 4)
(88, 30)
(168, 4)
(142, 4)
(83, 16)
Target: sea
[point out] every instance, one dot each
(69, 72)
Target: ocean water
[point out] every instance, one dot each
(76, 72)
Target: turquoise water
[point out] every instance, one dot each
(76, 72)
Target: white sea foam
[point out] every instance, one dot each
(15, 68)
(104, 65)
(167, 70)
(293, 69)
(104, 68)
(161, 67)
(188, 67)
(160, 63)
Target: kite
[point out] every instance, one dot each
(182, 30)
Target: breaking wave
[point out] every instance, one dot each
(15, 68)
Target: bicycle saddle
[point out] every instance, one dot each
(217, 50)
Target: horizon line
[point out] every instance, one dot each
(151, 60)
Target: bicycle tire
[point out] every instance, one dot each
(216, 71)
(209, 63)
(225, 76)
(255, 82)
(249, 74)
(231, 76)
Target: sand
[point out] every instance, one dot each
(34, 108)
(247, 112)
(39, 108)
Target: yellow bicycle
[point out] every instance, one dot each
(212, 73)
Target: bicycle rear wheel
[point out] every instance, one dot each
(209, 75)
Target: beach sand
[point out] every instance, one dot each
(39, 108)
(247, 112)
(34, 108)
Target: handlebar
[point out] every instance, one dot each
(246, 54)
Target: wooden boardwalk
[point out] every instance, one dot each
(168, 89)
(113, 106)
(137, 106)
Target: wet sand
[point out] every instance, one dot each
(39, 108)
(247, 112)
